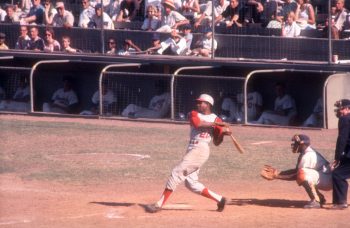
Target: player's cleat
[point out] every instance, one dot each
(341, 206)
(221, 204)
(152, 208)
(313, 204)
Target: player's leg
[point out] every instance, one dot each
(309, 178)
(190, 163)
(195, 186)
(340, 185)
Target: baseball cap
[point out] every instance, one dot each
(206, 98)
(343, 103)
(301, 139)
(59, 4)
(98, 6)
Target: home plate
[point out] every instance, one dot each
(177, 207)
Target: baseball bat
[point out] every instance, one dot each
(237, 145)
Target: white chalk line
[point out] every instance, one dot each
(15, 222)
(262, 142)
(141, 156)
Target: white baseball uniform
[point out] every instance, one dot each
(158, 107)
(281, 104)
(236, 109)
(108, 99)
(315, 169)
(61, 98)
(197, 154)
(16, 105)
(315, 119)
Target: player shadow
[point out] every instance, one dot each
(117, 204)
(114, 204)
(282, 203)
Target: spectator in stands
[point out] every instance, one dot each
(288, 6)
(255, 11)
(2, 14)
(206, 17)
(203, 47)
(101, 19)
(51, 44)
(50, 12)
(158, 107)
(190, 9)
(339, 20)
(290, 27)
(36, 43)
(86, 14)
(20, 101)
(63, 18)
(3, 46)
(11, 17)
(171, 19)
(151, 22)
(129, 48)
(316, 117)
(176, 43)
(112, 46)
(113, 9)
(66, 45)
(26, 5)
(109, 100)
(35, 15)
(64, 100)
(188, 36)
(305, 15)
(17, 10)
(232, 16)
(140, 10)
(155, 43)
(284, 110)
(23, 40)
(127, 11)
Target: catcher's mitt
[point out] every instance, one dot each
(269, 173)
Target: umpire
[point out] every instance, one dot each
(342, 155)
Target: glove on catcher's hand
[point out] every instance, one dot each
(269, 173)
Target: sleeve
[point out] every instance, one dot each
(343, 135)
(96, 97)
(70, 19)
(218, 135)
(194, 119)
(218, 130)
(73, 99)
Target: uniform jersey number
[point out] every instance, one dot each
(204, 135)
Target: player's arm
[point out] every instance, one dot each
(289, 175)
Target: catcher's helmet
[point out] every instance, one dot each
(301, 139)
(340, 104)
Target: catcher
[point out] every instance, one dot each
(312, 171)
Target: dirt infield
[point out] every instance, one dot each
(66, 172)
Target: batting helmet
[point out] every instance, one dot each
(301, 139)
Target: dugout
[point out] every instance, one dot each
(304, 86)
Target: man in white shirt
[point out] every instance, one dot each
(206, 16)
(64, 100)
(86, 14)
(176, 43)
(63, 18)
(171, 19)
(100, 19)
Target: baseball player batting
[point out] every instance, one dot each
(205, 126)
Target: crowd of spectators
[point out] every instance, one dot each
(169, 16)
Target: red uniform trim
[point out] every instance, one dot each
(194, 119)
